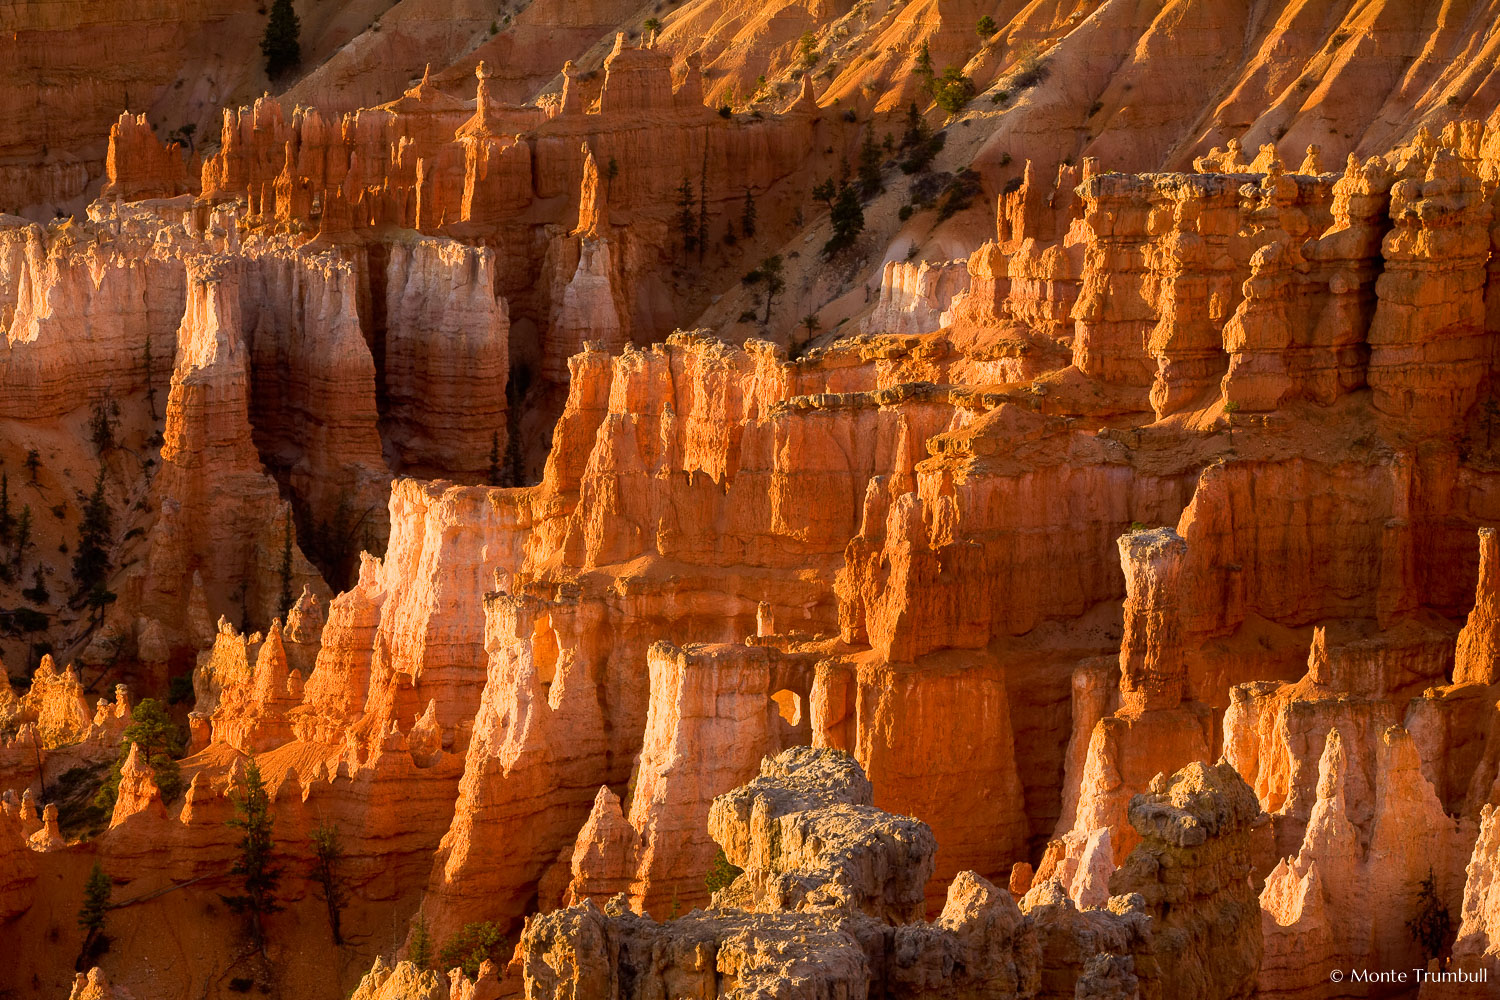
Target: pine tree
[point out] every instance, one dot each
(721, 872)
(33, 463)
(98, 598)
(870, 183)
(923, 68)
(255, 865)
(1432, 924)
(7, 520)
(91, 558)
(702, 235)
(280, 44)
(420, 952)
(687, 222)
(917, 132)
(102, 425)
(96, 893)
(161, 744)
(770, 270)
(37, 593)
(747, 215)
(918, 142)
(473, 946)
(848, 220)
(23, 538)
(825, 191)
(242, 595)
(328, 851)
(807, 47)
(493, 475)
(150, 382)
(953, 91)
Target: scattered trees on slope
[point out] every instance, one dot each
(328, 851)
(255, 865)
(96, 893)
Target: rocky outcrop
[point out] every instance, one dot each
(1477, 660)
(1477, 947)
(827, 872)
(94, 985)
(1301, 330)
(1180, 909)
(86, 319)
(897, 722)
(577, 198)
(49, 836)
(254, 697)
(1152, 672)
(138, 791)
(1427, 347)
(55, 702)
(17, 864)
(1197, 269)
(535, 761)
(1183, 909)
(807, 836)
(1156, 729)
(1113, 317)
(914, 295)
(1320, 907)
(1191, 870)
(901, 544)
(582, 952)
(1295, 900)
(714, 712)
(403, 981)
(585, 310)
(139, 166)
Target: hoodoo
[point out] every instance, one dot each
(897, 499)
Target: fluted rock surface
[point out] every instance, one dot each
(446, 358)
(1164, 448)
(712, 716)
(1477, 660)
(217, 503)
(535, 760)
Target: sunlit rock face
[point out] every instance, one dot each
(1068, 588)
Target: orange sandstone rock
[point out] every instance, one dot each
(711, 719)
(138, 165)
(1478, 658)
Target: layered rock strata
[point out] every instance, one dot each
(837, 919)
(1188, 444)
